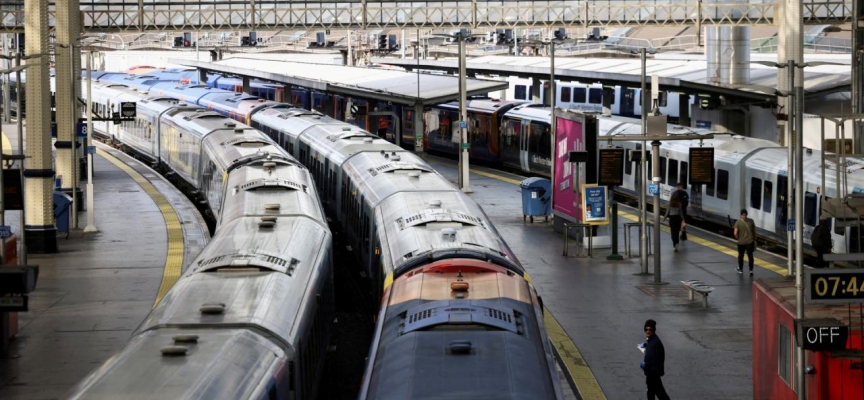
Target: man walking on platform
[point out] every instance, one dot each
(745, 232)
(684, 198)
(654, 364)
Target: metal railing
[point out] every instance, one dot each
(216, 15)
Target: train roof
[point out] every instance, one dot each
(531, 111)
(482, 105)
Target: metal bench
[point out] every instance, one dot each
(694, 286)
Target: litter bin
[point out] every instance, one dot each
(62, 204)
(535, 198)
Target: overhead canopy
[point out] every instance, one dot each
(380, 84)
(684, 74)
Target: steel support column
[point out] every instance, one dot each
(67, 77)
(41, 234)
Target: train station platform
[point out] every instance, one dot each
(597, 308)
(93, 293)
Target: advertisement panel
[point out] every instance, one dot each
(574, 131)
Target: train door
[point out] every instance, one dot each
(781, 210)
(524, 138)
(812, 209)
(626, 102)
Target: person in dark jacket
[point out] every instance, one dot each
(684, 198)
(655, 360)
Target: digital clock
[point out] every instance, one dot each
(835, 285)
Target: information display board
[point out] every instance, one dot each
(611, 167)
(701, 165)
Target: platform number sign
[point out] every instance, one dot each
(81, 130)
(463, 124)
(653, 189)
(5, 231)
(128, 109)
(790, 224)
(91, 149)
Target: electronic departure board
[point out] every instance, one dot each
(835, 285)
(701, 165)
(611, 167)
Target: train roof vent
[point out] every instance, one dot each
(239, 131)
(439, 215)
(200, 114)
(368, 140)
(246, 142)
(347, 135)
(435, 204)
(213, 260)
(174, 351)
(440, 315)
(230, 124)
(449, 234)
(273, 207)
(212, 308)
(267, 222)
(185, 338)
(268, 183)
(397, 166)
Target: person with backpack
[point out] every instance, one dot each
(820, 239)
(684, 198)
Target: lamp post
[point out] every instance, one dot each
(91, 214)
(463, 181)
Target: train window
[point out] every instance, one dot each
(672, 172)
(722, 184)
(768, 194)
(663, 170)
(595, 95)
(784, 353)
(810, 215)
(756, 193)
(682, 177)
(519, 92)
(578, 95)
(611, 93)
(628, 165)
(565, 94)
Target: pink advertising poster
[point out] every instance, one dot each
(570, 135)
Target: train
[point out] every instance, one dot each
(516, 135)
(407, 225)
(570, 95)
(251, 317)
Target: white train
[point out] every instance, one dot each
(251, 316)
(625, 102)
(749, 174)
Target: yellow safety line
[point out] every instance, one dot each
(716, 247)
(573, 364)
(174, 261)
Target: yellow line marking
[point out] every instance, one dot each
(174, 261)
(715, 246)
(572, 362)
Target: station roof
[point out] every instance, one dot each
(679, 73)
(371, 83)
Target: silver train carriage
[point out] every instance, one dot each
(251, 317)
(407, 220)
(749, 174)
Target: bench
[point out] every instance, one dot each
(694, 286)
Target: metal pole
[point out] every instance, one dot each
(73, 181)
(91, 211)
(350, 56)
(643, 208)
(22, 255)
(464, 184)
(790, 154)
(6, 96)
(655, 164)
(553, 124)
(799, 218)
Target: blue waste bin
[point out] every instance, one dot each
(536, 193)
(62, 204)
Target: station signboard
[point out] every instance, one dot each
(701, 165)
(611, 171)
